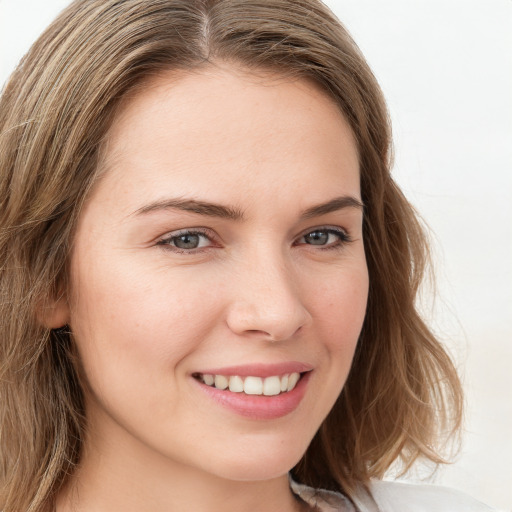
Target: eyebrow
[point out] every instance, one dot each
(194, 206)
(338, 203)
(226, 212)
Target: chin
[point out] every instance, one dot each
(262, 463)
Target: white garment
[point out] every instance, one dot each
(392, 497)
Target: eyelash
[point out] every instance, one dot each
(166, 243)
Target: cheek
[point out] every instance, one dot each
(125, 317)
(340, 308)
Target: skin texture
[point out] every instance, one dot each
(147, 316)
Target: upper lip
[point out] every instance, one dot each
(259, 369)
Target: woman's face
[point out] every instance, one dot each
(223, 244)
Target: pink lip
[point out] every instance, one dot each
(257, 407)
(259, 370)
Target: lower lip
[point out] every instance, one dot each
(259, 407)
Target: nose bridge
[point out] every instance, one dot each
(267, 299)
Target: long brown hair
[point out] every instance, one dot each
(55, 112)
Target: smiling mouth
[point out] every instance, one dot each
(267, 386)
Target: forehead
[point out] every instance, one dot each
(232, 125)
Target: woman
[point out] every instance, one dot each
(208, 274)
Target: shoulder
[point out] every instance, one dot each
(398, 496)
(391, 497)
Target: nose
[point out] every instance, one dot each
(266, 301)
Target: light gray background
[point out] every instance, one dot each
(446, 70)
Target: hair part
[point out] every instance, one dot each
(402, 393)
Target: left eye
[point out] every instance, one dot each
(188, 240)
(324, 237)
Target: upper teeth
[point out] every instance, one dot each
(268, 386)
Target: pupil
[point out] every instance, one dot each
(317, 238)
(187, 241)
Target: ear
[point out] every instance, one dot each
(54, 314)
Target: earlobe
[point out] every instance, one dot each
(54, 314)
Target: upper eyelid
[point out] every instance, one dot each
(184, 231)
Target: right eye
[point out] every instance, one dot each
(186, 240)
